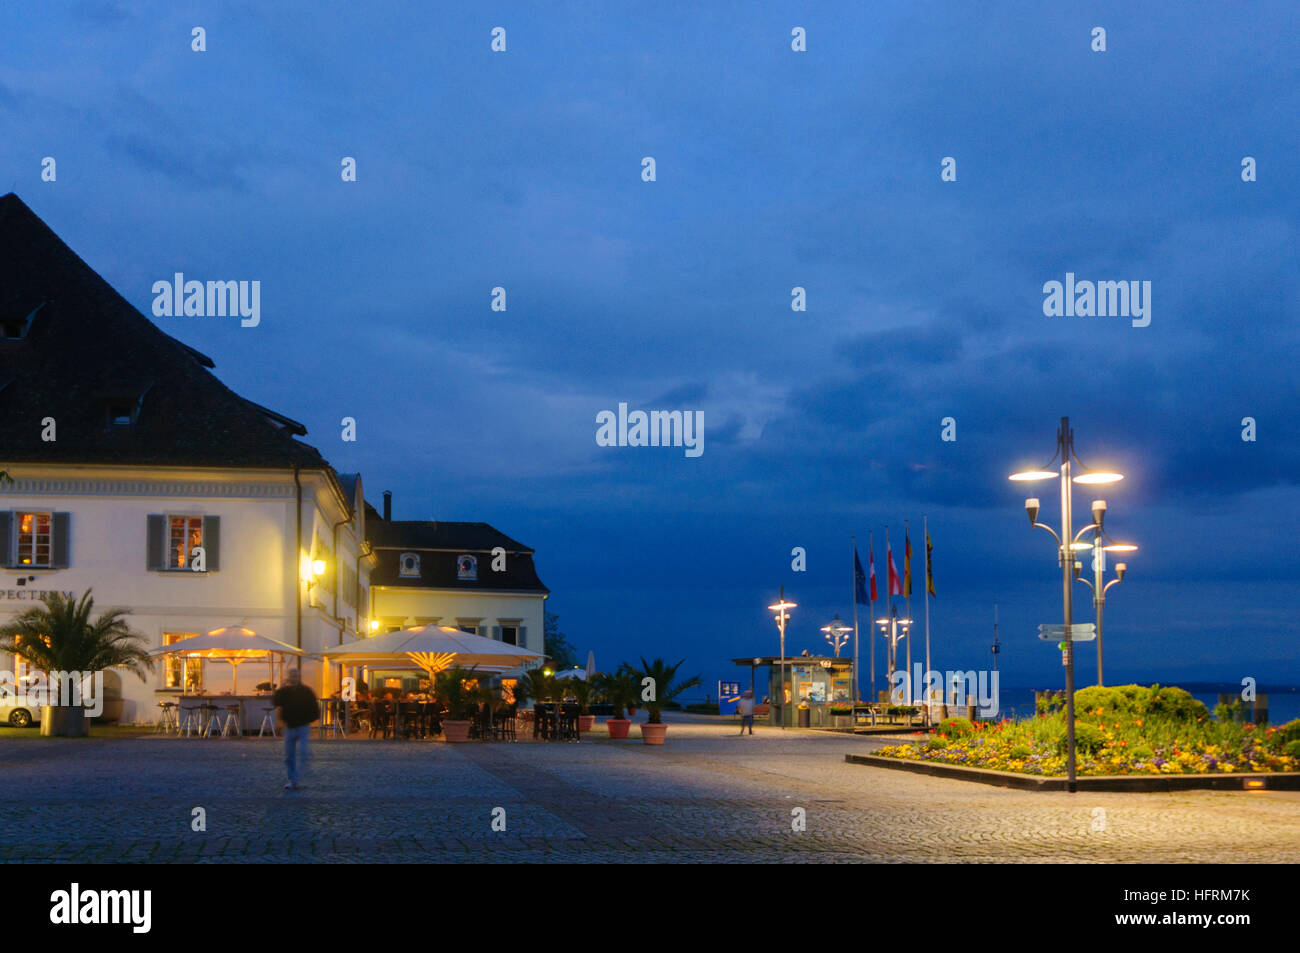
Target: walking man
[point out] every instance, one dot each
(297, 708)
(745, 706)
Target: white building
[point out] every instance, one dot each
(469, 576)
(127, 455)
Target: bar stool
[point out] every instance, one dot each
(232, 723)
(166, 718)
(190, 721)
(210, 718)
(268, 721)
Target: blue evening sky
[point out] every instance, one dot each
(775, 169)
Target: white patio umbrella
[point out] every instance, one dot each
(232, 643)
(433, 648)
(569, 673)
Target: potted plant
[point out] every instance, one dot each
(619, 690)
(582, 692)
(458, 690)
(62, 638)
(663, 690)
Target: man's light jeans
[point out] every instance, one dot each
(295, 750)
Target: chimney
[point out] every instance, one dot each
(388, 505)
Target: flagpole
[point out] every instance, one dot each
(871, 603)
(857, 697)
(907, 574)
(891, 658)
(925, 524)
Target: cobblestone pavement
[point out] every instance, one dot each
(708, 795)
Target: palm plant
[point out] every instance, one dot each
(664, 688)
(582, 692)
(458, 689)
(535, 684)
(60, 637)
(618, 689)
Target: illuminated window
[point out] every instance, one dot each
(181, 672)
(34, 539)
(184, 534)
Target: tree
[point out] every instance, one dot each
(557, 647)
(621, 689)
(61, 638)
(665, 691)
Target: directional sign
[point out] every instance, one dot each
(1079, 632)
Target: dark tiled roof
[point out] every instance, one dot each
(87, 346)
(439, 544)
(421, 534)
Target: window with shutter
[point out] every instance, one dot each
(34, 538)
(6, 540)
(154, 546)
(61, 547)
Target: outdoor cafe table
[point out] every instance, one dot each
(250, 705)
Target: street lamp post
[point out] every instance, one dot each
(837, 634)
(781, 607)
(1066, 542)
(889, 629)
(1099, 587)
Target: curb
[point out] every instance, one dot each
(1132, 782)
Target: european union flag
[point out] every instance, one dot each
(859, 581)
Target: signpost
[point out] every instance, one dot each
(1079, 632)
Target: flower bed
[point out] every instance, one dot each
(1129, 730)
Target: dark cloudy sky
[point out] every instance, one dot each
(776, 169)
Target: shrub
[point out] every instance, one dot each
(1048, 702)
(1288, 732)
(1087, 739)
(1176, 704)
(1129, 701)
(1292, 749)
(936, 744)
(955, 727)
(1116, 700)
(1019, 752)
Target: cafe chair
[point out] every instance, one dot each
(191, 720)
(232, 723)
(268, 721)
(166, 722)
(210, 719)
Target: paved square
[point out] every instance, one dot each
(708, 796)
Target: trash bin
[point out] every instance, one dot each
(805, 717)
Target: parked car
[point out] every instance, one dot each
(18, 715)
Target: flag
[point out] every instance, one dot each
(859, 581)
(907, 565)
(895, 586)
(871, 559)
(929, 572)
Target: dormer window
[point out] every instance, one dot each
(123, 410)
(467, 568)
(408, 566)
(14, 328)
(121, 413)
